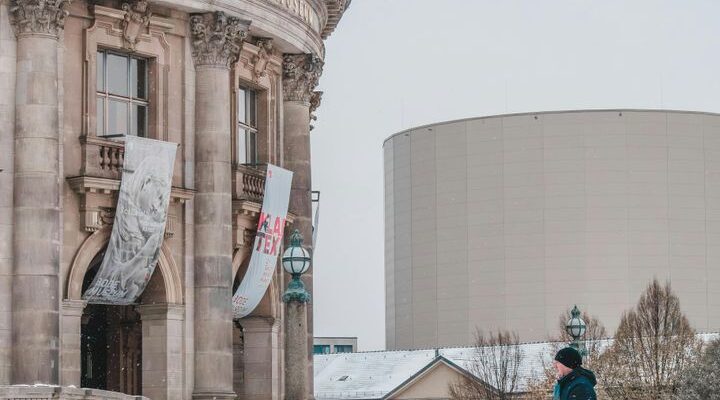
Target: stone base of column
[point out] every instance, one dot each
(214, 396)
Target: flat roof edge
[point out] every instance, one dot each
(518, 114)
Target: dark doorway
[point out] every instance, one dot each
(111, 344)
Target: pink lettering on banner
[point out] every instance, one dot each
(268, 242)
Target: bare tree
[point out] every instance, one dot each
(701, 380)
(653, 344)
(495, 363)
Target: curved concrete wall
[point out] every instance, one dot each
(505, 222)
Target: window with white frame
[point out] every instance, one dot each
(246, 139)
(122, 94)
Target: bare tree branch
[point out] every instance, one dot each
(495, 362)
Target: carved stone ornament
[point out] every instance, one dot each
(301, 73)
(315, 100)
(137, 17)
(44, 17)
(261, 59)
(217, 39)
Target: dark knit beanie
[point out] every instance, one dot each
(569, 357)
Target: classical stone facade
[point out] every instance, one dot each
(224, 80)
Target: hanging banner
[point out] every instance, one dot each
(139, 225)
(268, 242)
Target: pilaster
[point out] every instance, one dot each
(260, 358)
(162, 347)
(70, 341)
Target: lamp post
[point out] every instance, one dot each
(576, 328)
(296, 261)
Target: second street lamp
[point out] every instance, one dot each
(296, 261)
(576, 328)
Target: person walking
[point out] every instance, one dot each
(574, 381)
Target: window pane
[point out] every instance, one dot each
(100, 116)
(241, 115)
(139, 120)
(251, 151)
(251, 108)
(117, 118)
(241, 146)
(100, 71)
(343, 348)
(117, 74)
(138, 78)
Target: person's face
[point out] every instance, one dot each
(561, 369)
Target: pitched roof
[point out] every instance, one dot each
(375, 375)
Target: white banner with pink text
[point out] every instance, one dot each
(268, 242)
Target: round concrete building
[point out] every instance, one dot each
(504, 222)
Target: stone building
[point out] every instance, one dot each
(505, 222)
(233, 83)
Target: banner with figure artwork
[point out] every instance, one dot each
(139, 225)
(268, 242)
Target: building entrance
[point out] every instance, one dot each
(110, 344)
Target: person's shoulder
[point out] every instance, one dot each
(581, 389)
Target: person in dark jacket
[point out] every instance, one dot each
(574, 381)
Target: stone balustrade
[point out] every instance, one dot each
(102, 158)
(41, 392)
(249, 183)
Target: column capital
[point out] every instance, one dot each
(259, 324)
(38, 17)
(73, 307)
(217, 39)
(161, 311)
(301, 73)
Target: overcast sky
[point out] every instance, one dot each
(395, 64)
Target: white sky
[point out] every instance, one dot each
(395, 64)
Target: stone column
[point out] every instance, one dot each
(301, 73)
(70, 342)
(162, 350)
(216, 41)
(260, 358)
(36, 203)
(7, 133)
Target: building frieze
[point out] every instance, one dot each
(217, 39)
(301, 73)
(38, 17)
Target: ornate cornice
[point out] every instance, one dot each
(217, 39)
(301, 73)
(261, 59)
(137, 17)
(336, 9)
(38, 17)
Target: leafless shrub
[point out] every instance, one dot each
(495, 362)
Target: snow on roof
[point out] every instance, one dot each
(372, 375)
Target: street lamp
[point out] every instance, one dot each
(576, 328)
(296, 261)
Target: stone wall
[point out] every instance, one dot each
(18, 392)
